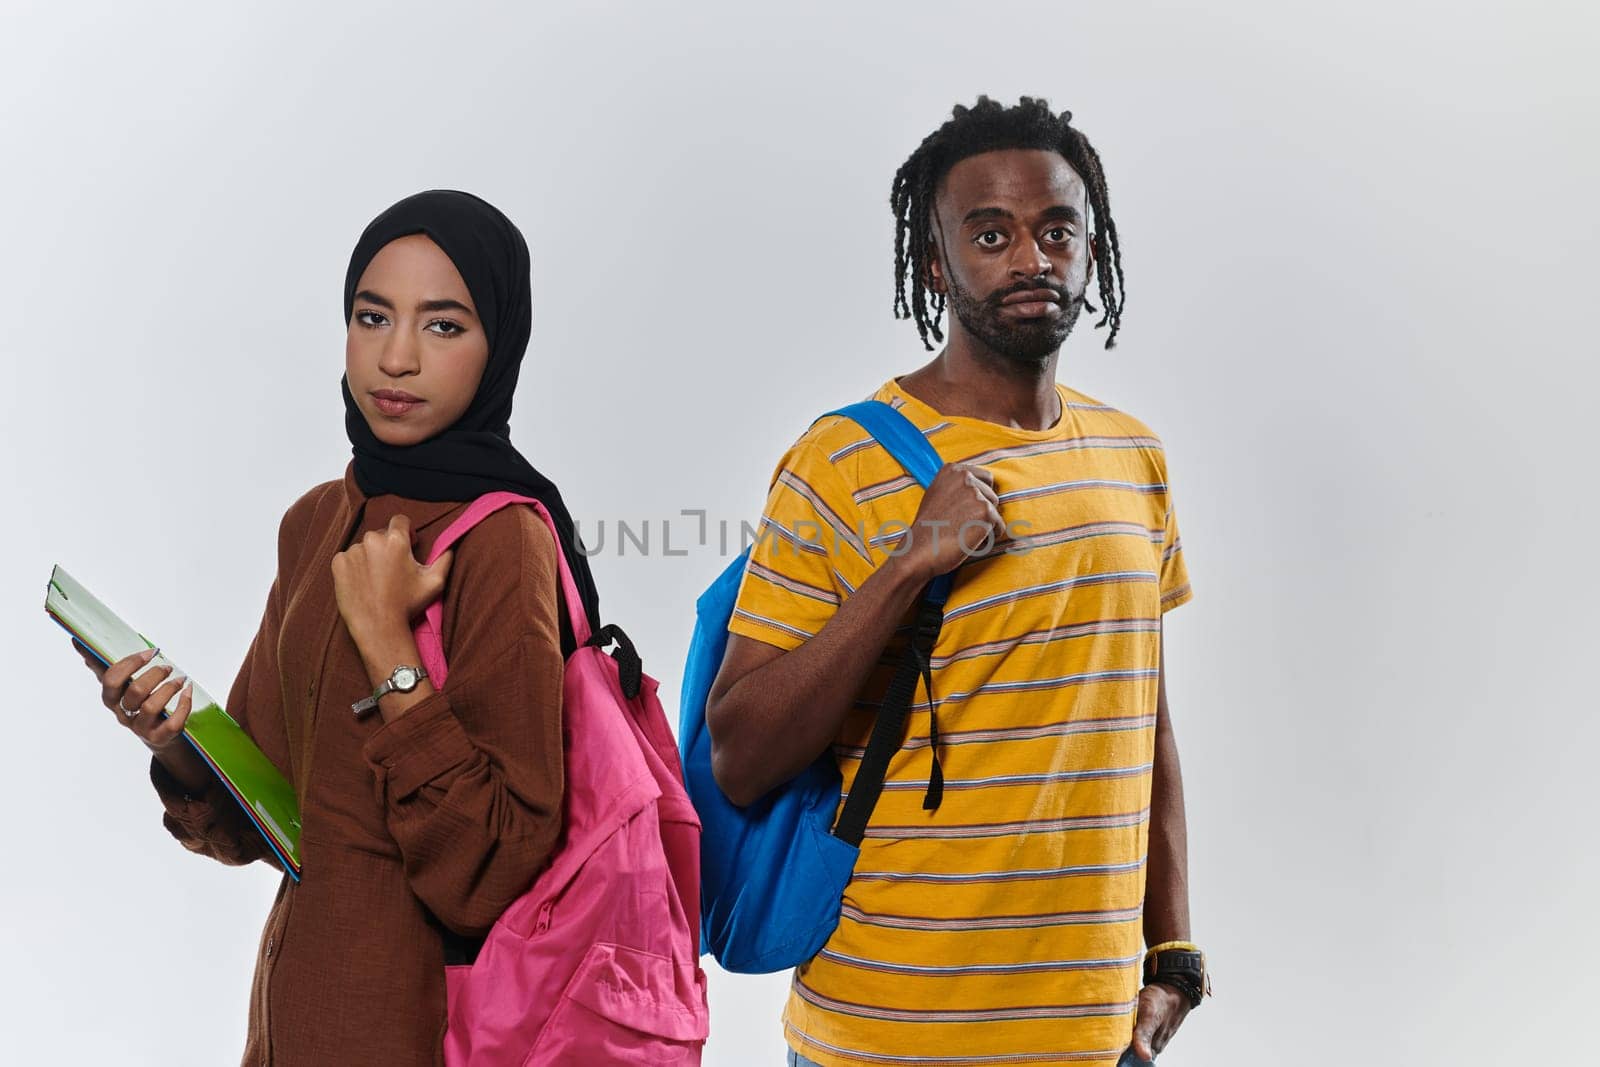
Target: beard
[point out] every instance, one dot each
(1023, 341)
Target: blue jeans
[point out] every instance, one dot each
(797, 1060)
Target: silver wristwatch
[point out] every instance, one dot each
(403, 680)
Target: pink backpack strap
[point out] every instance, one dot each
(429, 630)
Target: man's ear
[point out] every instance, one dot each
(936, 281)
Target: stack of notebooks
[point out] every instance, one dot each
(264, 794)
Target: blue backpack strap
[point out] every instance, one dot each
(909, 446)
(898, 435)
(901, 438)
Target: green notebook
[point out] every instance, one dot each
(264, 794)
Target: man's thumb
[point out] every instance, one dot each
(1141, 1041)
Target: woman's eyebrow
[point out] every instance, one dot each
(373, 298)
(445, 305)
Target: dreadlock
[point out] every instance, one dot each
(987, 127)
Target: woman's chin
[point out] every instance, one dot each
(398, 435)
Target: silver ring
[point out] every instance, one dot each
(126, 713)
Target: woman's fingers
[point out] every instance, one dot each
(161, 696)
(150, 708)
(115, 679)
(165, 731)
(138, 691)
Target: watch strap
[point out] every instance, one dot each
(1181, 966)
(387, 686)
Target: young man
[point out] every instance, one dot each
(996, 918)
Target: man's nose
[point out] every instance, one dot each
(1030, 260)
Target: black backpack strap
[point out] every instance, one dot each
(889, 728)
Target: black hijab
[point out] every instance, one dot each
(475, 455)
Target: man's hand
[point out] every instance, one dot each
(1162, 1010)
(959, 517)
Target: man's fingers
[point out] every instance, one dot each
(1002, 532)
(983, 474)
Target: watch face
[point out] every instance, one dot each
(405, 679)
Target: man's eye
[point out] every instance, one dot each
(1059, 233)
(444, 327)
(370, 318)
(991, 238)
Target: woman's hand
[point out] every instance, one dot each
(138, 701)
(379, 585)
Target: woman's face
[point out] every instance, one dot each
(415, 350)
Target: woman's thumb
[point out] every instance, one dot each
(436, 572)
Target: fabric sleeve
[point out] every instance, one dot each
(810, 553)
(471, 777)
(1174, 573)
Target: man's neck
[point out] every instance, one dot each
(970, 380)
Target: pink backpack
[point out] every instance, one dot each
(598, 962)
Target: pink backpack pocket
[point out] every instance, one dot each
(598, 962)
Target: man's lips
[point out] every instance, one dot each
(1031, 303)
(394, 401)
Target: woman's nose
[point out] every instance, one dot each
(399, 356)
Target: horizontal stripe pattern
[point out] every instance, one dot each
(1002, 926)
(851, 913)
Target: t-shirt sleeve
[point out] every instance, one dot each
(808, 555)
(1174, 572)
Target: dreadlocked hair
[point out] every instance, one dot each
(986, 127)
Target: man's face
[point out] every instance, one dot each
(1012, 250)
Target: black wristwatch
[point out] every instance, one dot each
(1181, 966)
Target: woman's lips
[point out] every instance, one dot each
(394, 402)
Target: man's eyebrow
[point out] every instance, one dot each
(373, 298)
(978, 213)
(1059, 211)
(1063, 211)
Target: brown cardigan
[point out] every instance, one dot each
(438, 819)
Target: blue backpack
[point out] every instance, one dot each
(772, 875)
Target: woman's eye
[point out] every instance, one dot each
(444, 327)
(370, 318)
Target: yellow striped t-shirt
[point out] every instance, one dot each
(1004, 926)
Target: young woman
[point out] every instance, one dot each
(426, 816)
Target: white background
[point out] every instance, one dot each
(1360, 243)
